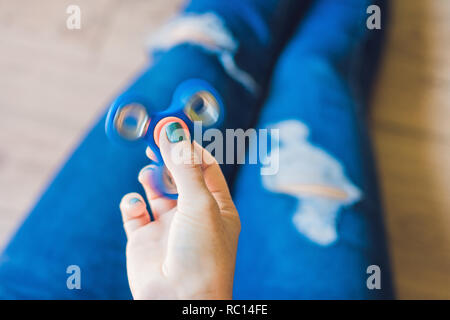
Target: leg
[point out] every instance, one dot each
(312, 229)
(77, 220)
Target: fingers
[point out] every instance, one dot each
(134, 212)
(214, 178)
(150, 154)
(196, 172)
(158, 203)
(183, 162)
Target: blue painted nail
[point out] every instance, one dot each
(175, 132)
(133, 201)
(145, 169)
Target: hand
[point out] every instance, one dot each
(189, 250)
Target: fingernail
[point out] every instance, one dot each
(144, 170)
(175, 132)
(134, 201)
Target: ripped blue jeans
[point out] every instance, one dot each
(309, 231)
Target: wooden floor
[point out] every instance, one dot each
(55, 82)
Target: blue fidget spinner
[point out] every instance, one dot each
(129, 120)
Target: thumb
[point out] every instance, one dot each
(183, 162)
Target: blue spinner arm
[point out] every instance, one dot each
(130, 121)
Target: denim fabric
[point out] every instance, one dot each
(77, 220)
(314, 84)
